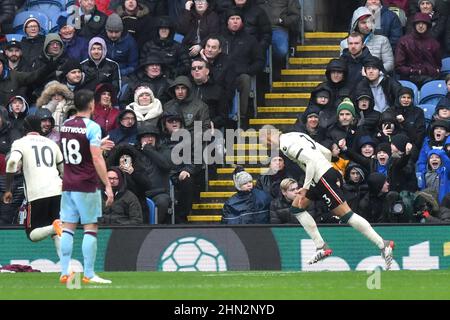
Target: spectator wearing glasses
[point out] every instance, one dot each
(33, 42)
(280, 206)
(127, 130)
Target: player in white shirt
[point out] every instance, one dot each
(322, 181)
(42, 166)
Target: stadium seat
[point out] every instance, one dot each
(51, 8)
(178, 37)
(413, 87)
(61, 4)
(428, 110)
(445, 66)
(21, 17)
(14, 36)
(153, 211)
(432, 91)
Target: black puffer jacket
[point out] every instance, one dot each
(195, 27)
(320, 134)
(280, 211)
(94, 27)
(327, 114)
(7, 13)
(354, 192)
(367, 120)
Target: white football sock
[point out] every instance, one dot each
(310, 227)
(39, 234)
(363, 226)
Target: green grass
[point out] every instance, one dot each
(233, 285)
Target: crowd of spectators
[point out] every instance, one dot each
(157, 66)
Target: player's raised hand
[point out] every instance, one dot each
(7, 197)
(109, 195)
(106, 144)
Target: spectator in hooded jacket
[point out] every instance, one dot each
(196, 22)
(387, 128)
(365, 153)
(175, 56)
(99, 69)
(367, 117)
(436, 139)
(355, 185)
(321, 98)
(125, 209)
(402, 170)
(436, 178)
(126, 131)
(18, 110)
(105, 108)
(280, 207)
(48, 128)
(309, 122)
(72, 75)
(147, 108)
(378, 45)
(337, 81)
(387, 22)
(418, 54)
(409, 117)
(438, 20)
(121, 46)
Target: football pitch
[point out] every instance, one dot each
(255, 285)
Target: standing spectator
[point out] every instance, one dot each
(33, 41)
(197, 21)
(14, 54)
(418, 57)
(378, 45)
(147, 108)
(7, 12)
(387, 23)
(99, 69)
(175, 55)
(18, 110)
(401, 172)
(125, 209)
(342, 132)
(121, 46)
(280, 207)
(105, 108)
(75, 46)
(387, 128)
(92, 20)
(442, 111)
(155, 7)
(126, 131)
(137, 20)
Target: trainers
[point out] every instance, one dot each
(321, 254)
(65, 278)
(57, 226)
(96, 279)
(387, 253)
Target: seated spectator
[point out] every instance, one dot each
(92, 20)
(355, 56)
(72, 75)
(438, 133)
(342, 132)
(384, 89)
(270, 181)
(309, 122)
(280, 207)
(147, 108)
(105, 108)
(321, 98)
(75, 46)
(175, 56)
(137, 20)
(217, 59)
(418, 57)
(249, 205)
(367, 117)
(33, 41)
(355, 185)
(121, 46)
(378, 45)
(337, 81)
(436, 178)
(247, 58)
(17, 110)
(387, 22)
(402, 170)
(256, 22)
(410, 118)
(210, 92)
(185, 103)
(58, 99)
(150, 73)
(99, 69)
(126, 131)
(48, 124)
(196, 22)
(438, 20)
(14, 55)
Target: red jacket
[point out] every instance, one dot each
(102, 5)
(106, 117)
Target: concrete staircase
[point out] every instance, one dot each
(282, 106)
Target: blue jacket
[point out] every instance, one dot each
(443, 171)
(391, 26)
(77, 48)
(123, 51)
(247, 208)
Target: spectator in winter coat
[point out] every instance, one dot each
(342, 132)
(48, 129)
(217, 59)
(75, 46)
(355, 185)
(280, 212)
(105, 109)
(7, 12)
(99, 69)
(410, 118)
(436, 178)
(438, 20)
(401, 172)
(418, 56)
(387, 128)
(337, 81)
(125, 209)
(147, 108)
(121, 46)
(33, 42)
(439, 131)
(18, 110)
(196, 22)
(387, 23)
(249, 205)
(92, 20)
(321, 98)
(175, 56)
(126, 131)
(367, 117)
(370, 156)
(309, 122)
(72, 75)
(442, 111)
(270, 181)
(378, 45)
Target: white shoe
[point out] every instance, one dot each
(320, 254)
(387, 253)
(96, 279)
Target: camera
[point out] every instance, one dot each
(398, 208)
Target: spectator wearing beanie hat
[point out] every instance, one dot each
(33, 42)
(249, 205)
(418, 54)
(75, 46)
(402, 171)
(122, 47)
(388, 127)
(148, 109)
(343, 131)
(72, 75)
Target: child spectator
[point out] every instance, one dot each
(436, 140)
(436, 178)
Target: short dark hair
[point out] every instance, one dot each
(82, 99)
(214, 37)
(198, 59)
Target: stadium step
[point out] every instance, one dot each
(324, 38)
(306, 51)
(314, 62)
(247, 147)
(281, 124)
(210, 218)
(286, 99)
(280, 112)
(260, 170)
(223, 185)
(302, 74)
(295, 86)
